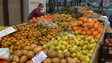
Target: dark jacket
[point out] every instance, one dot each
(110, 19)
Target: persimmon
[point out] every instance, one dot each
(90, 25)
(85, 25)
(92, 30)
(88, 33)
(98, 36)
(86, 29)
(75, 28)
(95, 33)
(83, 32)
(79, 31)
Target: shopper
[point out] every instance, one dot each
(36, 12)
(88, 3)
(110, 20)
(101, 4)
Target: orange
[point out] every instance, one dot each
(74, 24)
(95, 33)
(92, 30)
(85, 25)
(90, 25)
(80, 23)
(81, 19)
(79, 31)
(86, 29)
(75, 28)
(88, 33)
(83, 32)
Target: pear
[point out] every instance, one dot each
(63, 61)
(52, 54)
(47, 60)
(66, 54)
(55, 60)
(52, 47)
(55, 43)
(57, 48)
(92, 41)
(60, 56)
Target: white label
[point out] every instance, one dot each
(91, 11)
(39, 57)
(90, 19)
(7, 31)
(70, 35)
(108, 62)
(110, 51)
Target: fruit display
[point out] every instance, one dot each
(2, 27)
(108, 41)
(27, 53)
(73, 45)
(26, 35)
(46, 17)
(72, 11)
(63, 20)
(90, 27)
(86, 12)
(101, 12)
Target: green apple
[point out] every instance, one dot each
(90, 46)
(72, 50)
(86, 42)
(79, 55)
(55, 43)
(60, 51)
(76, 32)
(83, 58)
(73, 55)
(57, 48)
(91, 51)
(65, 43)
(52, 47)
(69, 46)
(84, 47)
(89, 55)
(49, 44)
(75, 46)
(96, 40)
(45, 46)
(77, 43)
(87, 60)
(84, 52)
(63, 47)
(92, 41)
(81, 43)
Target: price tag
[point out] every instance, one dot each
(110, 51)
(108, 62)
(90, 19)
(39, 57)
(70, 35)
(7, 31)
(91, 11)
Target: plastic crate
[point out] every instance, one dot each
(104, 59)
(105, 47)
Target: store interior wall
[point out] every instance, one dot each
(14, 7)
(1, 14)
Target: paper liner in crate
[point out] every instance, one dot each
(48, 22)
(4, 53)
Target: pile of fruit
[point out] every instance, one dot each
(72, 11)
(63, 20)
(27, 53)
(2, 27)
(47, 17)
(26, 35)
(73, 45)
(101, 12)
(90, 27)
(87, 13)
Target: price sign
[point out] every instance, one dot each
(7, 31)
(39, 57)
(70, 35)
(91, 11)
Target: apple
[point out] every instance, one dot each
(79, 48)
(81, 43)
(73, 55)
(72, 44)
(49, 44)
(83, 58)
(69, 46)
(45, 46)
(57, 48)
(90, 46)
(84, 47)
(60, 42)
(84, 52)
(72, 50)
(75, 58)
(77, 43)
(71, 41)
(89, 55)
(82, 36)
(87, 60)
(85, 42)
(96, 40)
(75, 46)
(91, 51)
(65, 43)
(92, 41)
(94, 45)
(63, 47)
(55, 43)
(76, 32)
(65, 50)
(60, 51)
(79, 55)
(52, 47)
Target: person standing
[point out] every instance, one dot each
(79, 2)
(36, 12)
(110, 20)
(101, 4)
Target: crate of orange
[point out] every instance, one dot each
(87, 27)
(46, 17)
(25, 35)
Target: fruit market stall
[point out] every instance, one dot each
(67, 37)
